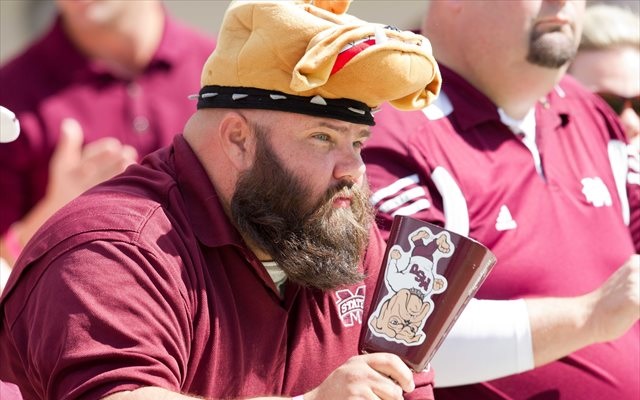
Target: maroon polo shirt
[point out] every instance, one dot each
(51, 81)
(144, 281)
(561, 235)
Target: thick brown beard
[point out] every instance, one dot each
(318, 246)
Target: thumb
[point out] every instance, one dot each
(69, 147)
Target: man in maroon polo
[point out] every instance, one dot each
(528, 162)
(220, 266)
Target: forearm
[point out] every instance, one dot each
(558, 327)
(21, 231)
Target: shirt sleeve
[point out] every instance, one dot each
(400, 185)
(491, 339)
(103, 317)
(633, 190)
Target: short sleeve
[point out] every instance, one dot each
(103, 317)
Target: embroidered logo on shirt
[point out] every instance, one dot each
(505, 221)
(596, 192)
(351, 305)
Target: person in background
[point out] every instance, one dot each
(608, 62)
(239, 261)
(107, 84)
(524, 159)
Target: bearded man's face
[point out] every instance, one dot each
(316, 243)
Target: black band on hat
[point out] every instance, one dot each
(242, 97)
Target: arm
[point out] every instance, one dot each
(520, 335)
(496, 330)
(72, 170)
(561, 326)
(378, 375)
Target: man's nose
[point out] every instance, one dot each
(349, 165)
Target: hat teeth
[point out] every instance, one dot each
(207, 95)
(238, 96)
(317, 99)
(357, 111)
(193, 96)
(381, 37)
(277, 97)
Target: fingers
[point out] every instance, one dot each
(75, 168)
(69, 147)
(105, 158)
(391, 367)
(366, 377)
(617, 302)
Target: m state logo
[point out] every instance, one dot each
(350, 305)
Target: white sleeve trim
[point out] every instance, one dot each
(491, 339)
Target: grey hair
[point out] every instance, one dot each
(606, 26)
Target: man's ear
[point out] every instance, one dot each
(237, 140)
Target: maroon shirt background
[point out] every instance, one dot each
(144, 281)
(51, 81)
(562, 246)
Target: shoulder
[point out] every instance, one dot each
(395, 129)
(132, 207)
(124, 224)
(572, 91)
(586, 108)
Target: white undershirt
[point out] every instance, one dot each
(278, 276)
(527, 128)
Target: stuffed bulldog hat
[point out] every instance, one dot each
(298, 57)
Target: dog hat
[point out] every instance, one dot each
(298, 57)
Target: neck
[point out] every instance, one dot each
(513, 87)
(126, 44)
(517, 89)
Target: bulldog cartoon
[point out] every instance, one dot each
(411, 279)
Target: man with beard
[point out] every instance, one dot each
(239, 261)
(522, 158)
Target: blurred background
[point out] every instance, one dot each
(22, 20)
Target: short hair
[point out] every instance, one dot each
(606, 26)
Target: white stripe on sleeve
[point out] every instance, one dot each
(394, 188)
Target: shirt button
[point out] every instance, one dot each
(140, 123)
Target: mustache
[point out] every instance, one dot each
(343, 188)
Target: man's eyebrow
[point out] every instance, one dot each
(364, 132)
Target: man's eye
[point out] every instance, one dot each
(358, 144)
(322, 136)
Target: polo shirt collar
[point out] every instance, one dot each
(477, 108)
(210, 223)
